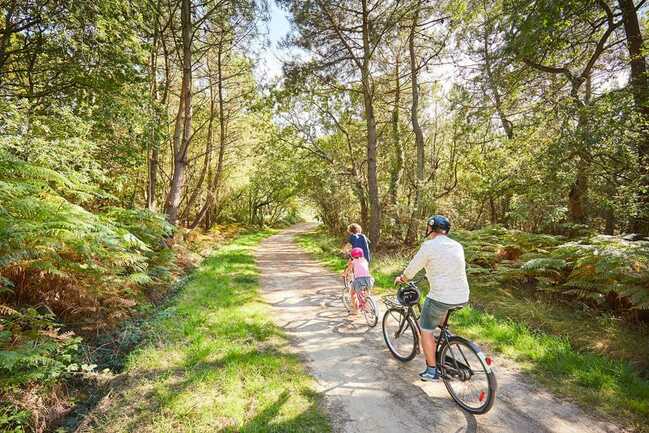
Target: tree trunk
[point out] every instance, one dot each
(181, 149)
(493, 211)
(577, 207)
(397, 165)
(506, 123)
(5, 37)
(368, 96)
(207, 160)
(640, 89)
(360, 195)
(419, 136)
(577, 195)
(154, 142)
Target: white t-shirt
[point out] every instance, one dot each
(443, 259)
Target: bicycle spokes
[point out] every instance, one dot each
(400, 334)
(466, 376)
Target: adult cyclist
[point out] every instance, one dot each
(443, 259)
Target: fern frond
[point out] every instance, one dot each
(6, 310)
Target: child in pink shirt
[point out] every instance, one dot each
(360, 268)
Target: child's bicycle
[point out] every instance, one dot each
(465, 370)
(364, 300)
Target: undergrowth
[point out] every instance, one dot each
(214, 361)
(71, 269)
(574, 348)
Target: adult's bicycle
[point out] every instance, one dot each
(466, 372)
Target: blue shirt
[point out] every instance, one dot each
(361, 241)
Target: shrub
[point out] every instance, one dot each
(605, 271)
(86, 267)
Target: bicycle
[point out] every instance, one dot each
(364, 301)
(466, 372)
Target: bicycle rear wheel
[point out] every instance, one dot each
(400, 334)
(370, 311)
(467, 375)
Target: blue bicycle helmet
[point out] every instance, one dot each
(438, 222)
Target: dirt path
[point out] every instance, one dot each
(365, 389)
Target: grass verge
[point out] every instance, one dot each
(538, 335)
(214, 361)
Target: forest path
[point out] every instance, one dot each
(365, 389)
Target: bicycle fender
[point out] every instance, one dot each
(477, 349)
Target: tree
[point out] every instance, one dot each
(580, 49)
(183, 117)
(343, 38)
(640, 89)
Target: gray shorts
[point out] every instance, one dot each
(362, 282)
(433, 313)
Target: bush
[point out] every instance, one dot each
(85, 267)
(605, 271)
(65, 257)
(34, 356)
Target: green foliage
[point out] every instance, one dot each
(89, 268)
(605, 270)
(32, 348)
(53, 250)
(35, 353)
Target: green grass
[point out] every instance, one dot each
(566, 350)
(214, 361)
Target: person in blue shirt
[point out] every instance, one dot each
(357, 239)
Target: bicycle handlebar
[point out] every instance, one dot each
(414, 281)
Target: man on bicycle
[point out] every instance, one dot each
(443, 259)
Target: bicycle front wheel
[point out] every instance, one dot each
(400, 334)
(370, 311)
(467, 375)
(346, 297)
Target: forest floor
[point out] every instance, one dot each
(364, 388)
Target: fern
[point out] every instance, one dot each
(544, 263)
(588, 268)
(55, 251)
(5, 310)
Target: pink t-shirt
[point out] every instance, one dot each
(361, 267)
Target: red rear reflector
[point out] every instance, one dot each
(482, 396)
(488, 360)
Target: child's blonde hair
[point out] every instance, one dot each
(354, 228)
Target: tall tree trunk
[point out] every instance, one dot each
(640, 89)
(207, 160)
(397, 165)
(154, 144)
(577, 207)
(419, 135)
(181, 150)
(359, 191)
(368, 99)
(5, 36)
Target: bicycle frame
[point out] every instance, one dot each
(440, 341)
